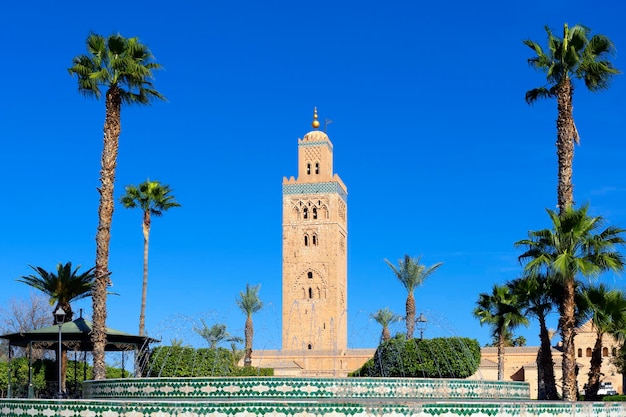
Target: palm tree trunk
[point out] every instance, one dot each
(595, 370)
(567, 324)
(249, 334)
(545, 365)
(410, 315)
(501, 341)
(144, 288)
(566, 134)
(112, 129)
(386, 334)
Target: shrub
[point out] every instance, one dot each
(454, 357)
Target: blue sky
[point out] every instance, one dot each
(441, 155)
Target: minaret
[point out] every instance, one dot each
(315, 245)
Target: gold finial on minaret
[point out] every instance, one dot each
(316, 122)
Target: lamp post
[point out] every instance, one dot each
(59, 315)
(421, 324)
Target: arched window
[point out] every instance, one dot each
(317, 168)
(580, 353)
(314, 213)
(314, 240)
(588, 352)
(306, 240)
(308, 169)
(310, 346)
(310, 292)
(605, 351)
(309, 275)
(306, 213)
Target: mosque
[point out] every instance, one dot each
(315, 286)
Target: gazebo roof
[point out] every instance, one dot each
(76, 335)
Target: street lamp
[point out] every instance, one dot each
(59, 315)
(421, 324)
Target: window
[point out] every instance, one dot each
(310, 346)
(605, 351)
(580, 353)
(314, 213)
(309, 275)
(588, 352)
(314, 240)
(308, 169)
(317, 168)
(306, 240)
(306, 213)
(310, 292)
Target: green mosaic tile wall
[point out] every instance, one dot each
(297, 388)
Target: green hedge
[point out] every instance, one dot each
(177, 361)
(453, 357)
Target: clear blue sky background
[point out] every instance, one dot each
(441, 155)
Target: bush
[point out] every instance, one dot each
(454, 357)
(620, 398)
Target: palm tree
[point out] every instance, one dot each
(411, 274)
(249, 303)
(214, 334)
(63, 287)
(385, 317)
(608, 314)
(572, 248)
(499, 310)
(536, 296)
(123, 67)
(575, 56)
(153, 199)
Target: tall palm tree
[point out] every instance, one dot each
(249, 303)
(385, 317)
(153, 198)
(573, 247)
(214, 334)
(607, 309)
(536, 295)
(499, 310)
(123, 68)
(411, 274)
(574, 56)
(63, 287)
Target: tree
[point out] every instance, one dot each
(573, 247)
(62, 287)
(153, 199)
(21, 315)
(385, 317)
(607, 309)
(249, 303)
(574, 56)
(214, 334)
(500, 310)
(536, 295)
(411, 274)
(123, 68)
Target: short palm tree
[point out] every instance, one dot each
(573, 247)
(214, 334)
(385, 317)
(153, 198)
(607, 309)
(574, 56)
(249, 303)
(63, 287)
(536, 295)
(122, 67)
(500, 310)
(411, 274)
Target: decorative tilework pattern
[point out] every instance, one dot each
(315, 188)
(294, 388)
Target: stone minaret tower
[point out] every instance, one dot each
(315, 246)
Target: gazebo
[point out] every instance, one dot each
(75, 336)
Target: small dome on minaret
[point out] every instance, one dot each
(316, 122)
